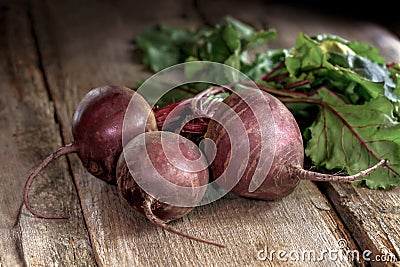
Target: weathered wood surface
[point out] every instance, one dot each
(28, 133)
(53, 52)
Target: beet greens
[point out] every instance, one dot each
(343, 94)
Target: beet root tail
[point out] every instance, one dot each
(147, 205)
(322, 177)
(70, 148)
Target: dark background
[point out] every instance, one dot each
(382, 12)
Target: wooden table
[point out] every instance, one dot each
(53, 52)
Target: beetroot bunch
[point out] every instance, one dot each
(257, 152)
(98, 131)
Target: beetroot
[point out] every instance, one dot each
(259, 147)
(97, 132)
(97, 127)
(163, 176)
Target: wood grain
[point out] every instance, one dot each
(28, 133)
(372, 217)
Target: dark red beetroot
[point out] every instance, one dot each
(163, 176)
(97, 127)
(268, 125)
(97, 132)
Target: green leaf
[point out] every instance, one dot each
(215, 49)
(229, 42)
(395, 75)
(358, 48)
(330, 46)
(374, 78)
(330, 61)
(164, 46)
(234, 62)
(231, 38)
(243, 30)
(262, 63)
(260, 38)
(334, 147)
(307, 54)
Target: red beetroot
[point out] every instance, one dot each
(163, 176)
(97, 132)
(275, 148)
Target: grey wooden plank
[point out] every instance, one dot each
(28, 134)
